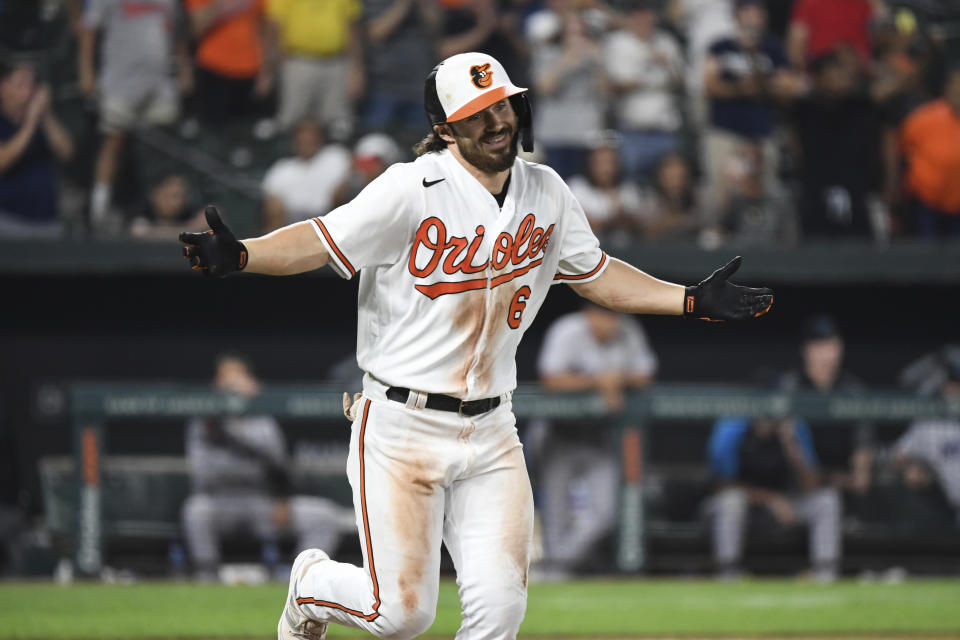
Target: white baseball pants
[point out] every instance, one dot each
(420, 476)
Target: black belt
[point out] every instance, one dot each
(441, 402)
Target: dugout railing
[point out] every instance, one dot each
(93, 407)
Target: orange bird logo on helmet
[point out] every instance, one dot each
(481, 75)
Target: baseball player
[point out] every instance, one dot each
(457, 251)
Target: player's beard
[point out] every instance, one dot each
(487, 161)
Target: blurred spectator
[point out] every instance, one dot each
(769, 468)
(742, 77)
(818, 27)
(746, 209)
(702, 22)
(611, 202)
(571, 94)
(320, 43)
(32, 141)
(167, 211)
(232, 75)
(844, 450)
(930, 144)
(241, 482)
(139, 42)
(837, 138)
(372, 155)
(591, 350)
(398, 30)
(488, 26)
(645, 68)
(303, 186)
(906, 59)
(928, 454)
(669, 207)
(466, 26)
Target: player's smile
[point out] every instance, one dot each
(497, 141)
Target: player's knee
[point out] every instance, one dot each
(501, 605)
(402, 623)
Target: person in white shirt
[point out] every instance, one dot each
(572, 94)
(591, 350)
(303, 186)
(611, 201)
(645, 67)
(703, 22)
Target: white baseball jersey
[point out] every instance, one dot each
(450, 281)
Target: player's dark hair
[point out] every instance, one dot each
(432, 143)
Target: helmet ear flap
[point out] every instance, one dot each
(431, 101)
(521, 106)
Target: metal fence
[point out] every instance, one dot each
(94, 406)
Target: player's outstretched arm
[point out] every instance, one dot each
(286, 251)
(622, 287)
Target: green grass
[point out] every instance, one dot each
(625, 608)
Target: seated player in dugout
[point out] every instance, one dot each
(457, 251)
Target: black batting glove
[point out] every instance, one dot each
(217, 251)
(715, 299)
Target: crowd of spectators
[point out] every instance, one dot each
(708, 121)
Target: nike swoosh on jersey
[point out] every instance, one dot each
(430, 183)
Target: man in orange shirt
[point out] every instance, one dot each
(231, 71)
(930, 144)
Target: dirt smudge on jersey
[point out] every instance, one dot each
(469, 320)
(413, 491)
(496, 322)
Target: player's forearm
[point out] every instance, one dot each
(625, 288)
(286, 251)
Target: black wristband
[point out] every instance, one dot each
(242, 260)
(689, 300)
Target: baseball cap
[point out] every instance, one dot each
(376, 146)
(470, 82)
(819, 327)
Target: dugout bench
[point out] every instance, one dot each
(94, 407)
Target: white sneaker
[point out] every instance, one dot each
(294, 625)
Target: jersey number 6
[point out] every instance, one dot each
(519, 303)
